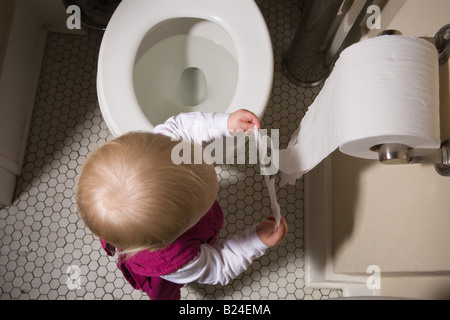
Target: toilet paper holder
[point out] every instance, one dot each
(396, 153)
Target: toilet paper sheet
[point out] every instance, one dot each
(262, 143)
(382, 90)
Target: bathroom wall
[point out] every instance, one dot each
(397, 217)
(23, 26)
(6, 14)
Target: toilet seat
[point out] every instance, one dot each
(132, 21)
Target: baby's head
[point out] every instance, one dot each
(132, 195)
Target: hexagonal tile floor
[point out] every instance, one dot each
(46, 250)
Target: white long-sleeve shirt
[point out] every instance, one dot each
(218, 263)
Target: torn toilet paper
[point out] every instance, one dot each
(261, 147)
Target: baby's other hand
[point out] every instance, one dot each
(266, 233)
(242, 120)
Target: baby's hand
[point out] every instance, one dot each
(265, 232)
(242, 120)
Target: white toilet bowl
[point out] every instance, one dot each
(159, 58)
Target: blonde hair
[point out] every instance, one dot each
(132, 195)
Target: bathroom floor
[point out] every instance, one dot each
(46, 250)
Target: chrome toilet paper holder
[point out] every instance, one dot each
(396, 153)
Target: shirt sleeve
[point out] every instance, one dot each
(196, 127)
(221, 263)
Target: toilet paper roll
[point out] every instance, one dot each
(382, 90)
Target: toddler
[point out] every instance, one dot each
(163, 218)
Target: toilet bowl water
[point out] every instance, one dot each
(191, 88)
(184, 73)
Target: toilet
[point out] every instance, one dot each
(159, 58)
